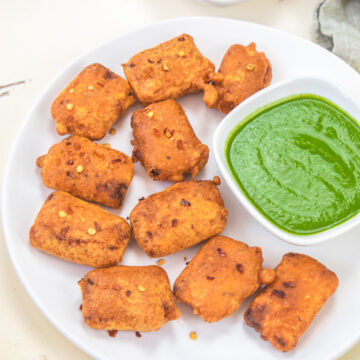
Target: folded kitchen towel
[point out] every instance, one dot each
(337, 28)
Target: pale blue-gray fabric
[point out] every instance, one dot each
(337, 28)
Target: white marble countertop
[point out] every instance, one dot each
(38, 39)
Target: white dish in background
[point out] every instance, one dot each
(52, 282)
(306, 85)
(223, 2)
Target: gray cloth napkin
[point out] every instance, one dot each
(337, 28)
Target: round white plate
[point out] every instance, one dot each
(52, 283)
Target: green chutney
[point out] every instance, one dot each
(298, 162)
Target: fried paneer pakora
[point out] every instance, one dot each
(283, 310)
(87, 170)
(165, 143)
(91, 103)
(181, 216)
(221, 275)
(77, 231)
(137, 298)
(169, 70)
(245, 71)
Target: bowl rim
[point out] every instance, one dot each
(226, 127)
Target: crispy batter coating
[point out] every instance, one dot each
(91, 103)
(79, 232)
(245, 71)
(284, 309)
(137, 298)
(221, 275)
(169, 70)
(181, 216)
(90, 171)
(165, 142)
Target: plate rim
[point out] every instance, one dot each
(54, 79)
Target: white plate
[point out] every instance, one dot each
(52, 283)
(273, 93)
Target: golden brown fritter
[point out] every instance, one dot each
(79, 232)
(169, 70)
(245, 71)
(90, 171)
(137, 298)
(221, 275)
(91, 103)
(284, 309)
(181, 216)
(165, 142)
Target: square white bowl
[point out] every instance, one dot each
(307, 85)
